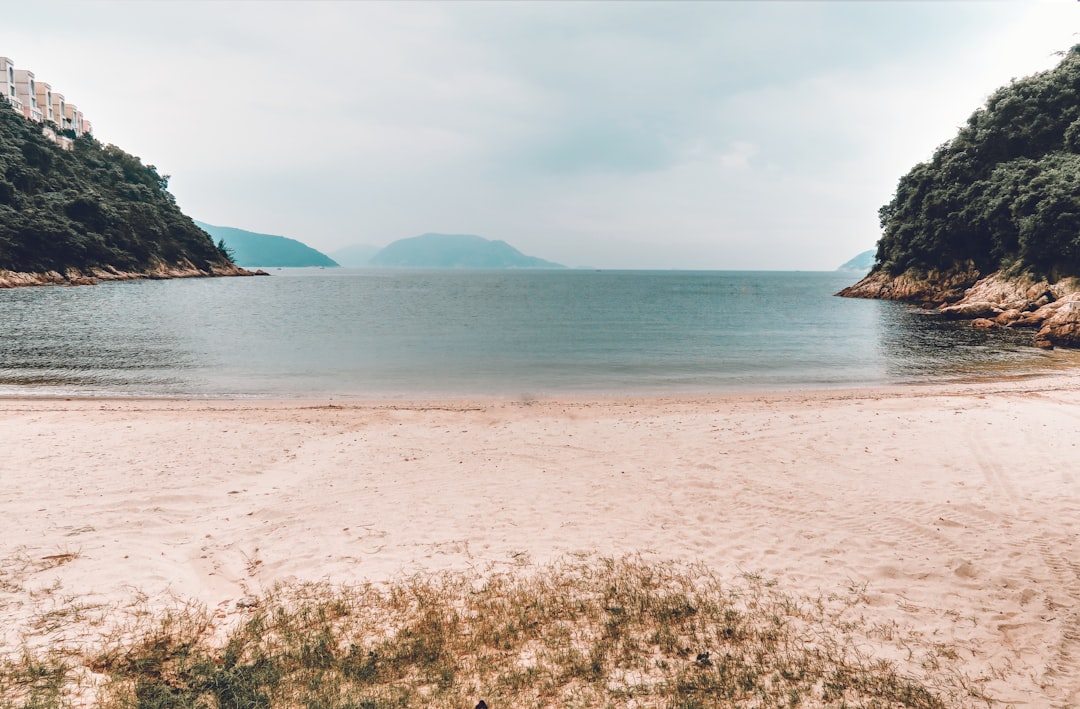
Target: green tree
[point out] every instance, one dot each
(1005, 190)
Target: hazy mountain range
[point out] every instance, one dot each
(425, 251)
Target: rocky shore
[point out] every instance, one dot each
(80, 277)
(1000, 299)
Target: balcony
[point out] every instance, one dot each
(16, 104)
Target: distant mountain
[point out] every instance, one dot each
(355, 255)
(455, 251)
(252, 249)
(862, 262)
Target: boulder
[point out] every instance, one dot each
(1027, 320)
(983, 324)
(1006, 290)
(969, 311)
(1008, 318)
(1062, 329)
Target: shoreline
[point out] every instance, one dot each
(955, 505)
(1044, 378)
(93, 276)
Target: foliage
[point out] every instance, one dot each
(1005, 190)
(90, 206)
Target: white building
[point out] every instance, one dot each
(73, 119)
(59, 107)
(26, 90)
(37, 101)
(43, 94)
(7, 83)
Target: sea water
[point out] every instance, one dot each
(404, 333)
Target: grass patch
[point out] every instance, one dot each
(607, 633)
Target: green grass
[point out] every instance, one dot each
(607, 633)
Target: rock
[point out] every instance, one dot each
(1062, 329)
(260, 272)
(1009, 298)
(967, 311)
(1006, 291)
(76, 277)
(247, 602)
(1027, 320)
(931, 288)
(1008, 317)
(983, 323)
(1040, 302)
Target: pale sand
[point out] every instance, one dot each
(958, 506)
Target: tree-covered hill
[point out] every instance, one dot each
(1004, 192)
(989, 228)
(91, 208)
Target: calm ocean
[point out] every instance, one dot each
(390, 333)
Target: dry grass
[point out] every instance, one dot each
(608, 633)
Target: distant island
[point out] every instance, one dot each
(989, 229)
(861, 263)
(249, 248)
(455, 251)
(77, 211)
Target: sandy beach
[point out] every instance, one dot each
(956, 506)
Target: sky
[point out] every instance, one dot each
(698, 135)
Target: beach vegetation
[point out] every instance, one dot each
(593, 633)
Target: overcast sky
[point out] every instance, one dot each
(718, 135)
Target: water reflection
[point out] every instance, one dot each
(917, 345)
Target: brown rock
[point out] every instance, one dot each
(76, 277)
(983, 323)
(1062, 329)
(965, 311)
(1027, 320)
(930, 288)
(1007, 317)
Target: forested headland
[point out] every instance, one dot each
(92, 212)
(989, 227)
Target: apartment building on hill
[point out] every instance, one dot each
(36, 101)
